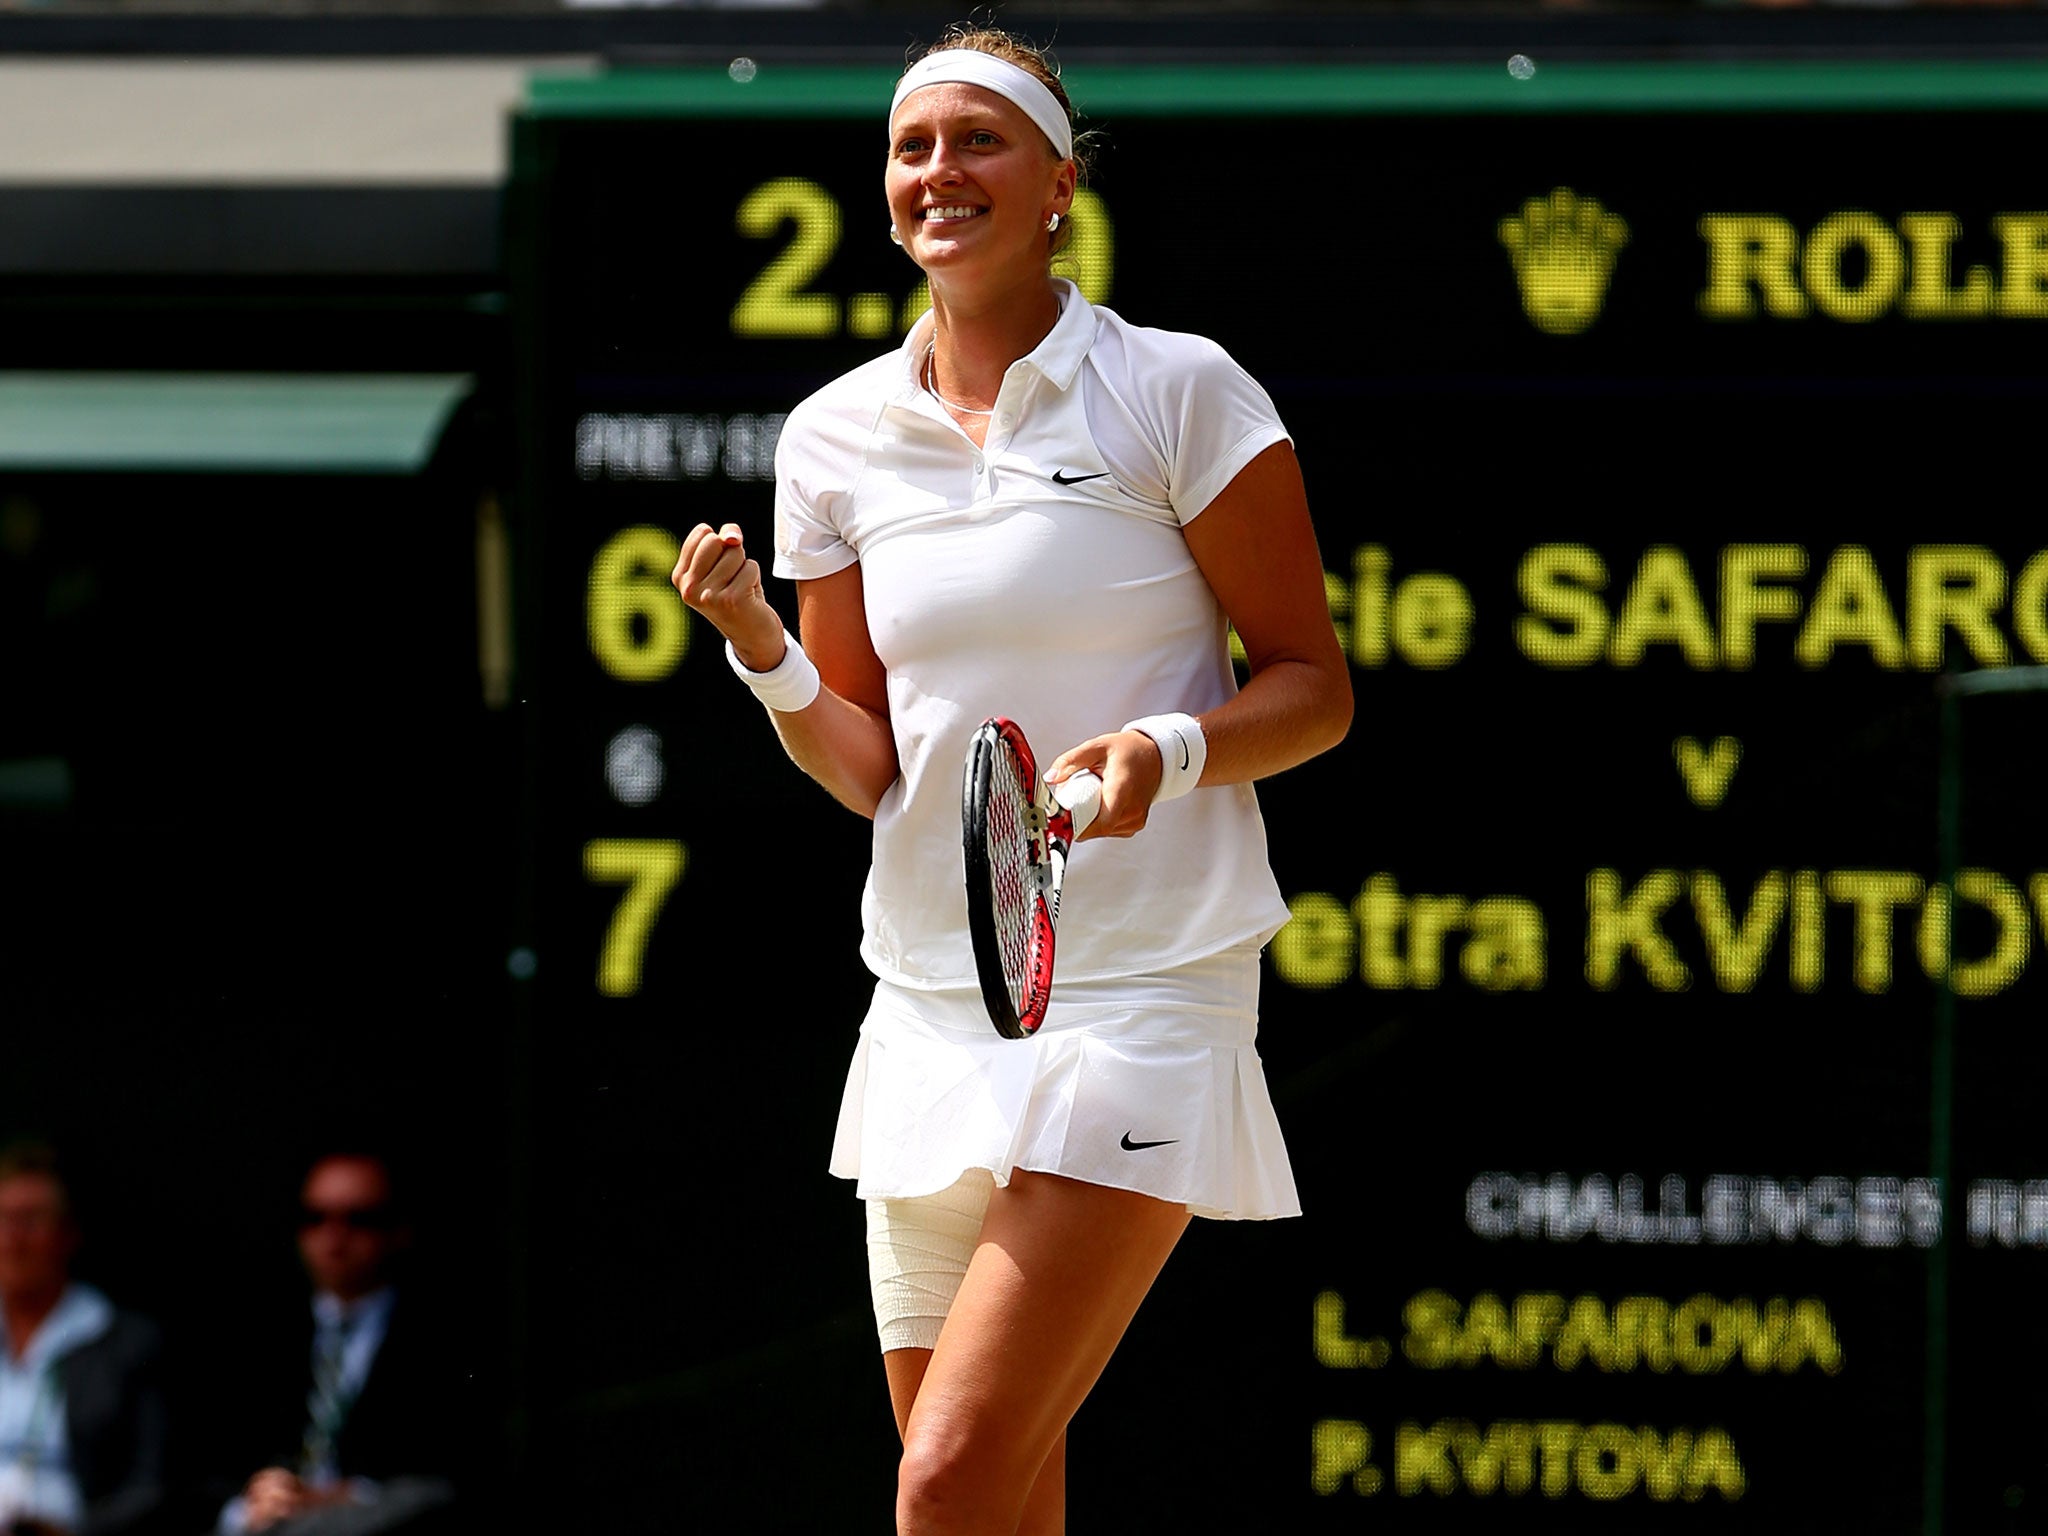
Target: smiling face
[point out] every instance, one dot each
(971, 183)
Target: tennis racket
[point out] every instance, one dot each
(1016, 831)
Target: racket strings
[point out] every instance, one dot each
(1013, 877)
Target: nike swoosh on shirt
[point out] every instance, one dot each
(1060, 477)
(1139, 1146)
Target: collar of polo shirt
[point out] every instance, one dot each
(1058, 357)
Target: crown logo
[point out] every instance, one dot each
(1563, 248)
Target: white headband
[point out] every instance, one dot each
(970, 66)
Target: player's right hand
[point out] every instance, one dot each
(718, 580)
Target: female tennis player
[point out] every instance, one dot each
(1035, 509)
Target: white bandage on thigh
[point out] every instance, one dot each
(917, 1255)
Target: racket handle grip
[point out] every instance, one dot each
(1081, 794)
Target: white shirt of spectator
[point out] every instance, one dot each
(36, 1480)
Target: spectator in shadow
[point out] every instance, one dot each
(82, 1417)
(356, 1419)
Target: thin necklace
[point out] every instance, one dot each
(931, 383)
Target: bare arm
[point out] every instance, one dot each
(842, 737)
(1256, 548)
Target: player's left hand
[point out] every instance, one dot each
(1130, 769)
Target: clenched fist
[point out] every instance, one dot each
(718, 580)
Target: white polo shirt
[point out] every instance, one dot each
(1043, 577)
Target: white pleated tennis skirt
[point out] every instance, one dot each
(1147, 1083)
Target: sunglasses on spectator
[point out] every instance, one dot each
(357, 1218)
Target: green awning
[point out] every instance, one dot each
(1181, 89)
(219, 423)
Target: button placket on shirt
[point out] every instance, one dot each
(978, 458)
(1009, 406)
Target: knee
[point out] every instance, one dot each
(947, 1485)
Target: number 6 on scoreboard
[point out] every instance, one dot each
(649, 869)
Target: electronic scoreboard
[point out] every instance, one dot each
(1658, 1035)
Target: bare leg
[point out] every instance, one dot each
(1057, 1277)
(906, 1373)
(1045, 1512)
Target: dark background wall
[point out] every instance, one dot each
(309, 875)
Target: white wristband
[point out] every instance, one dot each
(786, 687)
(1183, 749)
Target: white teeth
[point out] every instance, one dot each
(950, 213)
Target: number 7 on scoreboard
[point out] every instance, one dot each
(649, 869)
